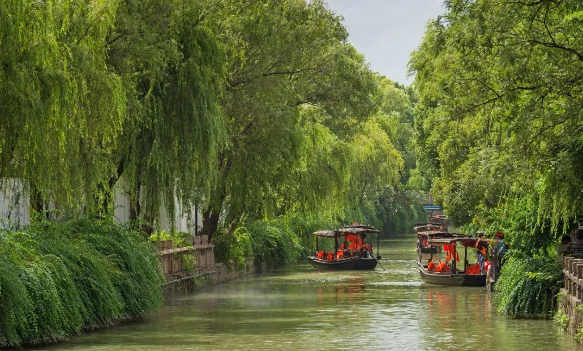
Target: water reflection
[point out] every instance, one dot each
(304, 309)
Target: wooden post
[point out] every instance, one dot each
(574, 277)
(453, 258)
(579, 275)
(465, 258)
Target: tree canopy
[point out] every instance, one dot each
(247, 109)
(500, 115)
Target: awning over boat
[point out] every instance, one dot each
(466, 241)
(439, 235)
(325, 233)
(356, 229)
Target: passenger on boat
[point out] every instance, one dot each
(430, 266)
(481, 250)
(501, 247)
(365, 247)
(450, 250)
(330, 256)
(341, 250)
(320, 254)
(473, 269)
(442, 267)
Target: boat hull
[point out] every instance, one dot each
(354, 263)
(459, 279)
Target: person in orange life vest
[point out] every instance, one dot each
(430, 266)
(442, 267)
(481, 250)
(340, 253)
(330, 256)
(450, 249)
(352, 241)
(473, 269)
(320, 254)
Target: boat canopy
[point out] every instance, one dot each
(353, 229)
(444, 235)
(465, 241)
(325, 233)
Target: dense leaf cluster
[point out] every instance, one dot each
(57, 279)
(499, 127)
(529, 287)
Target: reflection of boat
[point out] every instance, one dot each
(449, 274)
(353, 253)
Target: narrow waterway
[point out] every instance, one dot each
(302, 309)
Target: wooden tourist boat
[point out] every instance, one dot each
(436, 226)
(351, 250)
(423, 238)
(450, 274)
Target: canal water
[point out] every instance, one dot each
(300, 308)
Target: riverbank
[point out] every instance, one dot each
(59, 278)
(219, 273)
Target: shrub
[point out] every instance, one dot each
(233, 248)
(58, 278)
(528, 285)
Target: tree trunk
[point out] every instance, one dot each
(210, 224)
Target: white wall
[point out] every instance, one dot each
(15, 209)
(14, 204)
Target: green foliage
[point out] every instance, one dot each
(528, 285)
(233, 249)
(271, 242)
(179, 238)
(174, 73)
(496, 106)
(60, 278)
(499, 127)
(301, 109)
(61, 108)
(249, 109)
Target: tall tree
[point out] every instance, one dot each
(174, 75)
(60, 108)
(285, 55)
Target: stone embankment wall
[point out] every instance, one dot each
(193, 265)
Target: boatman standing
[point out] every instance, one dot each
(481, 250)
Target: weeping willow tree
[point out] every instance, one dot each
(61, 108)
(173, 68)
(291, 73)
(95, 91)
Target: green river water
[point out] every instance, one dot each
(300, 308)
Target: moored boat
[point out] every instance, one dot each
(350, 250)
